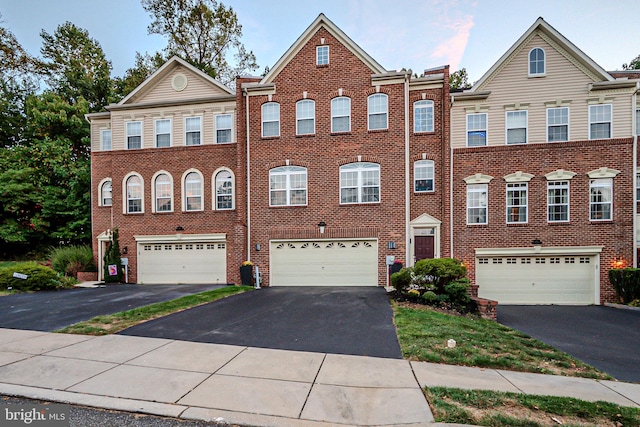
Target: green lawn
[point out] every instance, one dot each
(423, 335)
(113, 323)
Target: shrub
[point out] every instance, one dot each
(401, 280)
(430, 297)
(438, 272)
(112, 257)
(626, 283)
(39, 277)
(458, 291)
(68, 260)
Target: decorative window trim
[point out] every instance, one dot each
(537, 73)
(484, 129)
(155, 132)
(482, 205)
(127, 135)
(518, 177)
(334, 114)
(600, 183)
(230, 129)
(593, 122)
(125, 198)
(102, 139)
(199, 131)
(478, 179)
(515, 210)
(271, 120)
(100, 192)
(184, 193)
(428, 106)
(154, 205)
(560, 175)
(429, 165)
(359, 168)
(377, 110)
(214, 186)
(517, 126)
(322, 58)
(603, 172)
(302, 116)
(553, 185)
(557, 125)
(287, 172)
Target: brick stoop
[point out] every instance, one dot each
(87, 276)
(487, 308)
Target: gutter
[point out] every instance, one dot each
(407, 183)
(451, 253)
(246, 95)
(634, 100)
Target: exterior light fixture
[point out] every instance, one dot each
(125, 250)
(179, 228)
(321, 226)
(536, 242)
(391, 245)
(618, 262)
(257, 247)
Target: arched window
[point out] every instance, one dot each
(423, 176)
(270, 119)
(288, 186)
(192, 191)
(341, 114)
(224, 190)
(378, 111)
(305, 117)
(106, 193)
(360, 183)
(423, 116)
(163, 193)
(134, 194)
(536, 62)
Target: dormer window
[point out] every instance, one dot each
(322, 55)
(536, 62)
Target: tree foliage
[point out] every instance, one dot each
(204, 33)
(145, 65)
(459, 79)
(112, 257)
(634, 64)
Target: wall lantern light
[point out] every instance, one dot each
(179, 228)
(536, 242)
(257, 247)
(321, 226)
(391, 245)
(125, 250)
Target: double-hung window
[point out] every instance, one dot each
(558, 124)
(638, 121)
(423, 176)
(517, 202)
(601, 199)
(163, 133)
(163, 193)
(600, 121)
(423, 116)
(477, 203)
(134, 194)
(105, 139)
(517, 127)
(193, 191)
(224, 190)
(341, 114)
(476, 129)
(288, 186)
(322, 55)
(638, 187)
(360, 183)
(305, 117)
(536, 62)
(378, 111)
(106, 194)
(558, 201)
(193, 130)
(270, 119)
(224, 127)
(134, 135)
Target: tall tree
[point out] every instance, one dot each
(634, 64)
(76, 66)
(145, 65)
(204, 33)
(459, 79)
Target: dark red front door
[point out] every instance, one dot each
(424, 247)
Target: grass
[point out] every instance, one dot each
(492, 408)
(423, 334)
(113, 323)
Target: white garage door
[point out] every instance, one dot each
(537, 280)
(188, 263)
(324, 263)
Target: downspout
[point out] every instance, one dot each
(634, 106)
(246, 95)
(407, 197)
(451, 178)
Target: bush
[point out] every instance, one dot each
(458, 291)
(626, 283)
(401, 280)
(438, 272)
(430, 297)
(39, 277)
(68, 260)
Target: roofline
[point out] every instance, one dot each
(221, 98)
(320, 21)
(90, 116)
(541, 23)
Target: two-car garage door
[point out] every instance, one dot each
(324, 263)
(538, 279)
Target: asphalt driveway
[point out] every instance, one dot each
(51, 310)
(604, 337)
(354, 320)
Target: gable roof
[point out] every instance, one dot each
(162, 72)
(542, 26)
(323, 22)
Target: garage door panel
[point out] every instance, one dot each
(324, 263)
(195, 263)
(537, 280)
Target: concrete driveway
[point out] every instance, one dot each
(354, 320)
(604, 337)
(51, 310)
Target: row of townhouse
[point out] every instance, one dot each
(330, 166)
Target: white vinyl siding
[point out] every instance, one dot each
(423, 116)
(340, 114)
(193, 130)
(516, 127)
(105, 139)
(224, 128)
(360, 183)
(558, 124)
(288, 186)
(601, 199)
(423, 175)
(558, 201)
(378, 111)
(600, 121)
(305, 117)
(134, 135)
(270, 119)
(163, 133)
(476, 129)
(517, 203)
(477, 203)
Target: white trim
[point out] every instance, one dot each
(386, 112)
(539, 250)
(568, 204)
(102, 130)
(507, 128)
(568, 122)
(154, 205)
(604, 183)
(518, 177)
(478, 179)
(184, 195)
(155, 131)
(126, 134)
(603, 172)
(425, 163)
(201, 131)
(486, 128)
(214, 202)
(177, 238)
(287, 172)
(428, 104)
(517, 186)
(485, 190)
(262, 120)
(231, 128)
(424, 221)
(125, 200)
(611, 116)
(323, 46)
(544, 63)
(100, 201)
(359, 168)
(560, 175)
(304, 118)
(339, 116)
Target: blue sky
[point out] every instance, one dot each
(399, 33)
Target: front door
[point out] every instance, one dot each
(424, 247)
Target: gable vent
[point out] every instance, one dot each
(179, 82)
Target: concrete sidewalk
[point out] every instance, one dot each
(252, 386)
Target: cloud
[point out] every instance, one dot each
(452, 49)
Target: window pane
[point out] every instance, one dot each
(477, 138)
(558, 201)
(107, 194)
(516, 127)
(224, 190)
(378, 108)
(536, 61)
(193, 190)
(223, 136)
(558, 133)
(601, 199)
(340, 124)
(600, 130)
(322, 55)
(423, 116)
(106, 140)
(377, 121)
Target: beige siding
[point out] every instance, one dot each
(97, 125)
(197, 88)
(564, 81)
